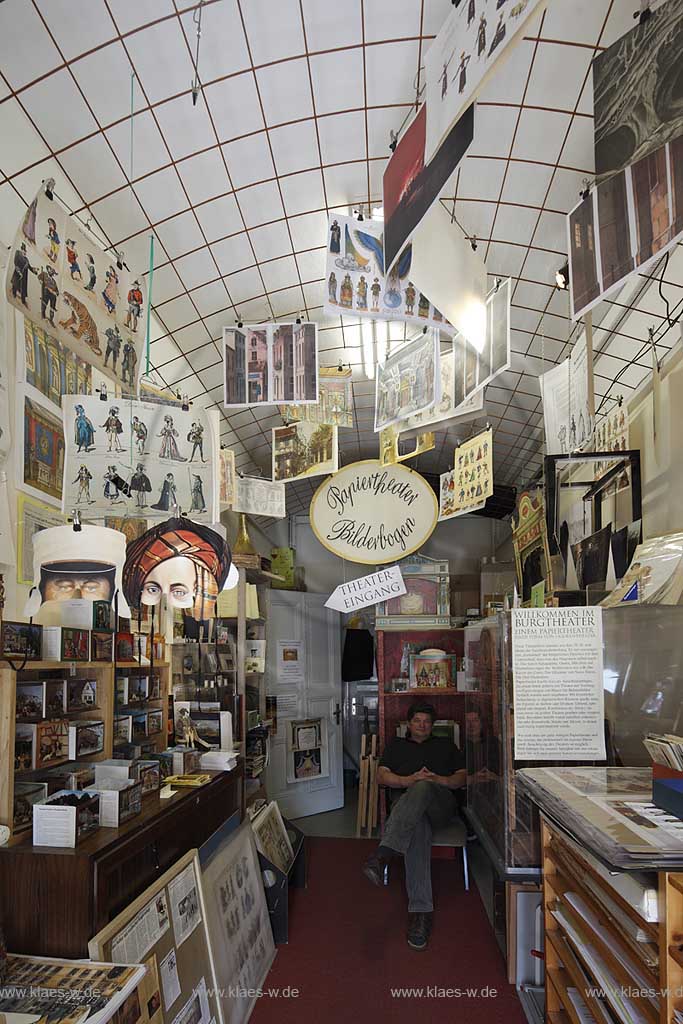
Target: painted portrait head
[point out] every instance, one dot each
(88, 567)
(186, 561)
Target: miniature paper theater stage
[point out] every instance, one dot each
(185, 561)
(73, 569)
(60, 277)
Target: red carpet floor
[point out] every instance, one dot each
(347, 949)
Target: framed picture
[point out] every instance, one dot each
(432, 671)
(101, 615)
(81, 695)
(124, 647)
(123, 729)
(155, 722)
(20, 640)
(271, 837)
(101, 645)
(75, 644)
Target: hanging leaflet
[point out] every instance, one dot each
(557, 670)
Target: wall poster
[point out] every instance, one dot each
(408, 381)
(557, 673)
(335, 400)
(356, 282)
(32, 517)
(469, 46)
(60, 277)
(226, 477)
(307, 750)
(137, 458)
(304, 450)
(466, 487)
(269, 364)
(259, 497)
(41, 435)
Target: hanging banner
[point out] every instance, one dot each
(368, 590)
(469, 47)
(408, 381)
(60, 277)
(335, 400)
(624, 224)
(137, 458)
(467, 486)
(636, 91)
(411, 183)
(356, 283)
(372, 514)
(266, 364)
(568, 402)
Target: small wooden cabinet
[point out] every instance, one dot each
(53, 900)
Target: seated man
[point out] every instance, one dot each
(426, 770)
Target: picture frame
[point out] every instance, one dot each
(75, 644)
(101, 615)
(101, 645)
(155, 722)
(81, 695)
(21, 640)
(432, 671)
(271, 837)
(85, 739)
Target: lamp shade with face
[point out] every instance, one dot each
(70, 565)
(185, 561)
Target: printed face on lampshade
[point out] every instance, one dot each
(175, 578)
(67, 581)
(186, 562)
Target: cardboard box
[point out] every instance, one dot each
(66, 817)
(72, 775)
(26, 794)
(86, 737)
(179, 761)
(65, 643)
(115, 768)
(120, 799)
(149, 775)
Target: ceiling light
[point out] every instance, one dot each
(562, 277)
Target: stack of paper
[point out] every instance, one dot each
(219, 760)
(665, 749)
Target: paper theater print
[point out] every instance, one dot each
(70, 565)
(409, 381)
(269, 364)
(335, 400)
(59, 277)
(467, 486)
(53, 368)
(186, 562)
(355, 278)
(259, 497)
(137, 458)
(303, 450)
(469, 45)
(42, 469)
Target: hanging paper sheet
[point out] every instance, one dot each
(357, 285)
(408, 381)
(335, 400)
(304, 450)
(568, 402)
(266, 364)
(467, 486)
(137, 458)
(60, 277)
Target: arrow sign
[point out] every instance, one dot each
(367, 590)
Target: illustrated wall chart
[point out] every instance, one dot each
(60, 277)
(136, 458)
(568, 402)
(303, 450)
(356, 281)
(268, 364)
(470, 44)
(637, 91)
(467, 486)
(335, 400)
(409, 381)
(412, 183)
(624, 223)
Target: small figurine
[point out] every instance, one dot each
(186, 732)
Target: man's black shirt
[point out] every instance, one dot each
(405, 756)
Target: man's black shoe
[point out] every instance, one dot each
(374, 868)
(419, 928)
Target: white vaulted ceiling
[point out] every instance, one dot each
(293, 119)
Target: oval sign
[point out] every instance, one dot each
(372, 513)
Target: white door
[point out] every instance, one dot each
(317, 694)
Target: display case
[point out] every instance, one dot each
(141, 701)
(643, 663)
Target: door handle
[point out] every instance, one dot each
(337, 714)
